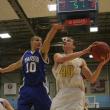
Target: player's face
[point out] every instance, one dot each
(68, 45)
(36, 43)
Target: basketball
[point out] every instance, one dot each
(100, 51)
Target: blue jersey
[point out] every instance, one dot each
(33, 68)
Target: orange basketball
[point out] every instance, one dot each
(100, 51)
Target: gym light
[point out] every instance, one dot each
(90, 56)
(5, 35)
(52, 7)
(93, 29)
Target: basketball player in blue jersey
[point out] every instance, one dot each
(33, 92)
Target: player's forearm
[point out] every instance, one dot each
(80, 53)
(96, 74)
(46, 45)
(50, 35)
(10, 68)
(74, 55)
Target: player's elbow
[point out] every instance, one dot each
(92, 81)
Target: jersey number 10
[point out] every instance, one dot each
(30, 67)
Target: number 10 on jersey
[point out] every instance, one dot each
(30, 67)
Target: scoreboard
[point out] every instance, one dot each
(83, 10)
(76, 5)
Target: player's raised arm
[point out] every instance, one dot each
(51, 34)
(59, 58)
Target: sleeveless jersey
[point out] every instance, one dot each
(33, 68)
(68, 74)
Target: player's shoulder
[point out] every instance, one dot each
(58, 54)
(82, 61)
(27, 52)
(80, 58)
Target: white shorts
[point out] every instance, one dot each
(69, 99)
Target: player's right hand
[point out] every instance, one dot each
(91, 46)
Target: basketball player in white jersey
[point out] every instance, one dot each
(5, 105)
(69, 82)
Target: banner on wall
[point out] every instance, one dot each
(10, 88)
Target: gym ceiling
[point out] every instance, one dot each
(24, 18)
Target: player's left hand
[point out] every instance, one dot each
(105, 59)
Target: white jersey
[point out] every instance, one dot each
(70, 86)
(68, 74)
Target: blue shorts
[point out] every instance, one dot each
(34, 96)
